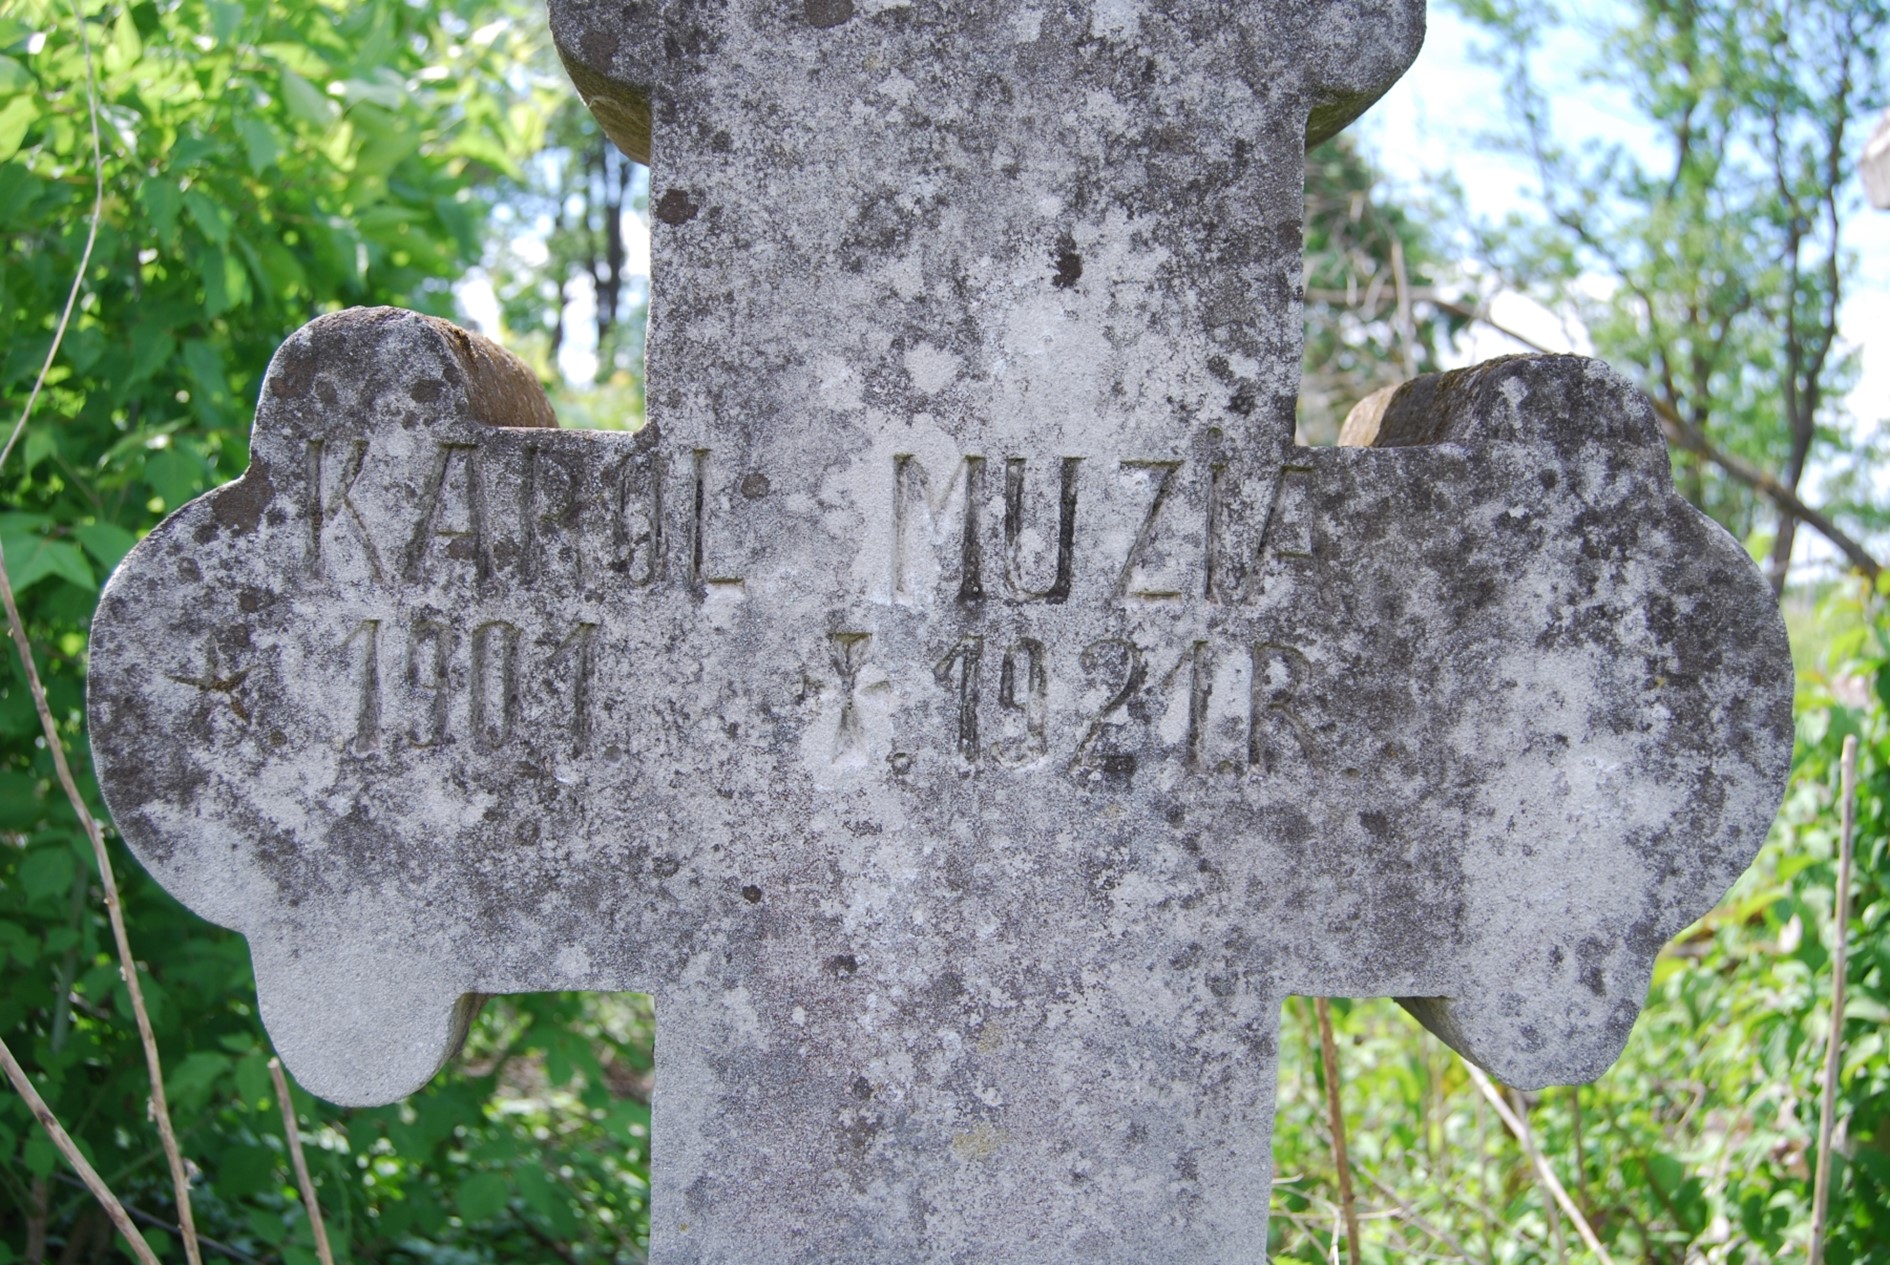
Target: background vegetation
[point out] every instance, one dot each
(263, 162)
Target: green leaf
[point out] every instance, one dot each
(20, 802)
(13, 76)
(260, 143)
(47, 871)
(307, 103)
(17, 944)
(253, 1081)
(280, 270)
(162, 200)
(482, 148)
(41, 1157)
(385, 151)
(389, 96)
(108, 543)
(1667, 1173)
(482, 1196)
(429, 1214)
(40, 444)
(15, 117)
(126, 43)
(18, 190)
(558, 1068)
(538, 1191)
(174, 475)
(210, 216)
(226, 18)
(245, 1170)
(388, 216)
(32, 558)
(225, 283)
(205, 368)
(17, 717)
(268, 1226)
(196, 1073)
(151, 346)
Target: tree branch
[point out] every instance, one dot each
(1691, 438)
(293, 1132)
(1335, 1114)
(70, 1149)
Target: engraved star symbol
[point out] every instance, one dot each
(212, 683)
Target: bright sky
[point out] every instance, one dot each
(1431, 123)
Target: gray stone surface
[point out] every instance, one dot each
(1874, 167)
(962, 706)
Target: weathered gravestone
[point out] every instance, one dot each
(962, 705)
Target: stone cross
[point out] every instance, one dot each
(962, 705)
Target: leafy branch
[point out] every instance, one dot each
(55, 745)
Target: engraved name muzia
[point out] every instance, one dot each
(960, 542)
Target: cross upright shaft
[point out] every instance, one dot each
(961, 704)
(1037, 225)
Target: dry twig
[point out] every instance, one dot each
(128, 967)
(68, 1148)
(1544, 1173)
(294, 1133)
(1528, 1138)
(1840, 953)
(1329, 1056)
(1410, 1213)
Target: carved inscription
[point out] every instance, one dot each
(367, 723)
(1023, 701)
(428, 645)
(1130, 582)
(532, 519)
(996, 531)
(494, 692)
(477, 682)
(966, 487)
(452, 516)
(1118, 660)
(1239, 707)
(1193, 536)
(700, 573)
(849, 656)
(329, 500)
(1101, 709)
(960, 670)
(639, 543)
(551, 505)
(1017, 536)
(575, 663)
(1288, 529)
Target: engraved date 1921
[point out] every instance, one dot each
(1129, 703)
